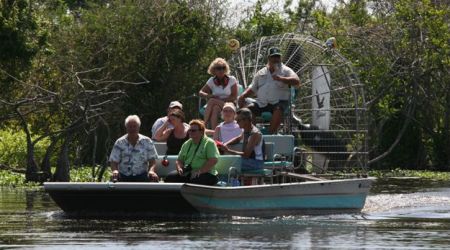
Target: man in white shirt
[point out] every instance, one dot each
(271, 85)
(160, 121)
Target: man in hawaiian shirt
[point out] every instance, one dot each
(133, 157)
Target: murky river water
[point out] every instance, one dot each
(399, 214)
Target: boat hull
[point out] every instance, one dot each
(181, 200)
(318, 197)
(120, 199)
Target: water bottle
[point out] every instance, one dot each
(235, 182)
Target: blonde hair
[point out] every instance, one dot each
(218, 61)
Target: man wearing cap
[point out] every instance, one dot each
(160, 121)
(271, 86)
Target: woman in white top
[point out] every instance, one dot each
(229, 128)
(219, 88)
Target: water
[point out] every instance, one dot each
(399, 214)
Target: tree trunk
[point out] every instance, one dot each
(62, 172)
(32, 167)
(45, 165)
(447, 130)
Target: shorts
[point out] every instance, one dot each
(248, 164)
(257, 111)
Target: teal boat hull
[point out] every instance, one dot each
(318, 197)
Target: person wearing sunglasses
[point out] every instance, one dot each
(219, 88)
(271, 85)
(173, 132)
(174, 105)
(197, 158)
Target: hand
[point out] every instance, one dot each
(195, 174)
(115, 175)
(223, 147)
(180, 170)
(241, 101)
(167, 123)
(153, 176)
(277, 78)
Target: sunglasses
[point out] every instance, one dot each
(220, 68)
(193, 130)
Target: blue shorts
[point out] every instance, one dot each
(251, 164)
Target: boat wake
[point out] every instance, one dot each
(419, 205)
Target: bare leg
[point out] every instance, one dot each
(215, 116)
(277, 115)
(208, 110)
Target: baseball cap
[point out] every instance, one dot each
(175, 104)
(274, 51)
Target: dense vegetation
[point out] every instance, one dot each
(70, 71)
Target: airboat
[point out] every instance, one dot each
(316, 165)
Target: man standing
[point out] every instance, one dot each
(133, 157)
(271, 86)
(158, 123)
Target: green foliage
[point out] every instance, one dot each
(84, 174)
(80, 174)
(8, 178)
(400, 49)
(259, 24)
(13, 148)
(398, 172)
(20, 40)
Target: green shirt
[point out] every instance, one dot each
(206, 150)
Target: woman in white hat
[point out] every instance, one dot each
(219, 88)
(229, 128)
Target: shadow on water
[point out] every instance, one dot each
(398, 213)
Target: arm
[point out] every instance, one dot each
(114, 160)
(115, 170)
(241, 100)
(233, 95)
(163, 132)
(291, 80)
(205, 91)
(180, 166)
(252, 142)
(151, 161)
(181, 158)
(209, 132)
(235, 140)
(151, 171)
(155, 127)
(209, 164)
(216, 135)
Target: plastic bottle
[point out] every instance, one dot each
(235, 182)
